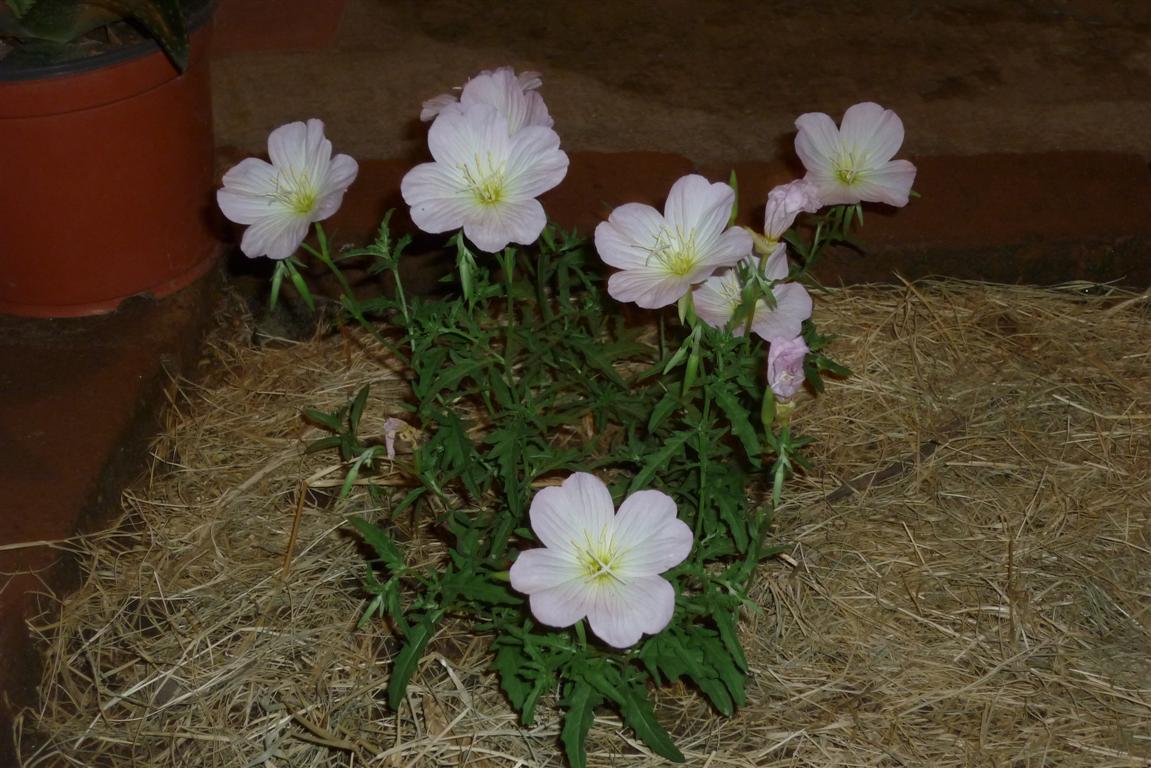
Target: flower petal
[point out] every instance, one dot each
(245, 208)
(890, 183)
(538, 569)
(871, 133)
(621, 612)
(276, 237)
(728, 250)
(648, 288)
(434, 194)
(297, 145)
(649, 536)
(461, 138)
(565, 515)
(626, 240)
(251, 176)
(562, 605)
(716, 300)
(696, 206)
(535, 162)
(341, 173)
(777, 267)
(817, 143)
(437, 104)
(792, 307)
(492, 227)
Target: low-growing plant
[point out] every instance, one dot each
(604, 480)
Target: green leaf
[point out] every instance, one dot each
(639, 716)
(408, 659)
(301, 286)
(724, 665)
(329, 421)
(380, 542)
(658, 460)
(739, 420)
(358, 407)
(324, 443)
(163, 19)
(510, 662)
(580, 702)
(662, 410)
(725, 624)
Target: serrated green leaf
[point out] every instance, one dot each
(509, 662)
(725, 625)
(739, 420)
(640, 717)
(720, 660)
(717, 693)
(580, 704)
(408, 659)
(380, 542)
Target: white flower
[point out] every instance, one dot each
(513, 96)
(853, 163)
(663, 255)
(600, 564)
(484, 179)
(280, 200)
(718, 298)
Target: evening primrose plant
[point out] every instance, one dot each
(604, 480)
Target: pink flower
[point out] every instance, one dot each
(853, 163)
(663, 255)
(718, 298)
(513, 96)
(280, 200)
(600, 564)
(484, 178)
(785, 366)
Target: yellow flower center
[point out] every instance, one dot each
(598, 559)
(677, 255)
(846, 168)
(295, 191)
(485, 181)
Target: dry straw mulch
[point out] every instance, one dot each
(969, 579)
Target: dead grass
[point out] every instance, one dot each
(969, 584)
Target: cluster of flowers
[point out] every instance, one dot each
(494, 152)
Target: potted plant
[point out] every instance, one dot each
(105, 119)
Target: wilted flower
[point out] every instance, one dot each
(853, 163)
(484, 179)
(785, 202)
(513, 96)
(785, 366)
(600, 564)
(717, 299)
(397, 428)
(280, 200)
(663, 255)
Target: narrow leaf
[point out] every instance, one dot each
(408, 659)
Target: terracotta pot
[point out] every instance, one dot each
(106, 181)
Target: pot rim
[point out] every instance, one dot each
(197, 18)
